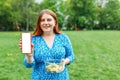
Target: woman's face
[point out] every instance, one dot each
(47, 23)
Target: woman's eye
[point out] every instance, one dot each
(42, 20)
(48, 19)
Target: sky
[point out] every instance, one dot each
(38, 1)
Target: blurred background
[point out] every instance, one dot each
(93, 27)
(21, 15)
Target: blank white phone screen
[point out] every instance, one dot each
(26, 43)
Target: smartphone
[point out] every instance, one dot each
(26, 42)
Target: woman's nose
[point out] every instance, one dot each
(46, 22)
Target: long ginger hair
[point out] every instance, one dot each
(38, 31)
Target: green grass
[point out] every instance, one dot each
(97, 56)
(11, 59)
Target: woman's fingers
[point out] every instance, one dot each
(20, 44)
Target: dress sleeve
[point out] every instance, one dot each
(69, 50)
(29, 65)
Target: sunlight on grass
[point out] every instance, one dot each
(97, 56)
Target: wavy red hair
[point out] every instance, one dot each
(38, 31)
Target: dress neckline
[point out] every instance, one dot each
(47, 44)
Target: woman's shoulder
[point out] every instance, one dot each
(63, 36)
(35, 38)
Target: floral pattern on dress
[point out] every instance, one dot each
(61, 48)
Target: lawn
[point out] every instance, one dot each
(97, 56)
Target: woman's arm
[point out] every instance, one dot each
(28, 60)
(69, 57)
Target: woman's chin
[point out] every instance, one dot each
(47, 31)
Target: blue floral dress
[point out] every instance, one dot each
(60, 49)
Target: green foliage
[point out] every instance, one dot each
(111, 15)
(17, 14)
(5, 13)
(26, 12)
(46, 4)
(84, 14)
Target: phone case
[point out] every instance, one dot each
(26, 42)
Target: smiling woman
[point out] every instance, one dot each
(47, 18)
(49, 44)
(47, 23)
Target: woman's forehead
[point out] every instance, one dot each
(45, 15)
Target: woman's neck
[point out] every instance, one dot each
(45, 34)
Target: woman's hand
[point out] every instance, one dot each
(65, 61)
(27, 54)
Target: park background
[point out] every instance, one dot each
(93, 27)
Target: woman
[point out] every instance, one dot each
(48, 43)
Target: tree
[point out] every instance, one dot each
(82, 13)
(111, 15)
(5, 15)
(18, 14)
(26, 12)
